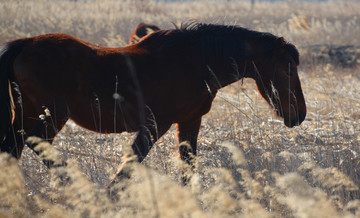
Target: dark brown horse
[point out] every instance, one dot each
(142, 30)
(179, 72)
(194, 61)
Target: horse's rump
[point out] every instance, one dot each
(95, 86)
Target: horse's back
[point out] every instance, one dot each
(52, 63)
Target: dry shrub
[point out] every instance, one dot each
(329, 177)
(158, 196)
(302, 199)
(13, 200)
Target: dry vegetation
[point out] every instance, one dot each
(249, 163)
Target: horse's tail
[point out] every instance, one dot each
(7, 56)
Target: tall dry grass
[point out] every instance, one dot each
(249, 163)
(111, 22)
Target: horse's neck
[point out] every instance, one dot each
(230, 63)
(220, 78)
(228, 70)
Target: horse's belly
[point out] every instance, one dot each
(105, 120)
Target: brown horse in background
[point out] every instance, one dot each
(142, 30)
(178, 72)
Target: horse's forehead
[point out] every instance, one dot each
(286, 58)
(290, 61)
(293, 52)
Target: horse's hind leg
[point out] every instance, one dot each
(14, 142)
(187, 133)
(46, 127)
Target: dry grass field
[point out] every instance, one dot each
(249, 163)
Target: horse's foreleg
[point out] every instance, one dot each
(187, 133)
(141, 147)
(144, 141)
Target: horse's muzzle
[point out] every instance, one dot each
(296, 121)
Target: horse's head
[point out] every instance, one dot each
(278, 82)
(142, 30)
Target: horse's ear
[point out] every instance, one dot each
(280, 45)
(280, 42)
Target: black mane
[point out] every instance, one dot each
(232, 38)
(197, 30)
(198, 27)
